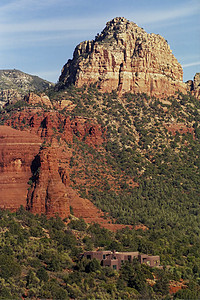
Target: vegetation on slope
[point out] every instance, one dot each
(156, 144)
(40, 258)
(22, 82)
(147, 171)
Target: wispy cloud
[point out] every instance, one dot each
(196, 63)
(36, 24)
(84, 23)
(43, 39)
(187, 9)
(19, 5)
(32, 9)
(52, 24)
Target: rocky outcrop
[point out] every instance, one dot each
(17, 151)
(14, 85)
(49, 124)
(65, 104)
(194, 85)
(34, 179)
(9, 96)
(47, 194)
(197, 82)
(35, 100)
(127, 59)
(180, 128)
(23, 167)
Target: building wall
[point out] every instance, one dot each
(115, 259)
(150, 260)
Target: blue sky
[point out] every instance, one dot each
(39, 36)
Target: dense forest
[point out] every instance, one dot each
(146, 172)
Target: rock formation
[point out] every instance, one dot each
(47, 124)
(127, 59)
(123, 58)
(17, 151)
(34, 99)
(194, 85)
(47, 194)
(35, 177)
(9, 96)
(21, 162)
(15, 84)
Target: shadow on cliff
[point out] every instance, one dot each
(35, 168)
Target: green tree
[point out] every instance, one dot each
(93, 266)
(9, 267)
(42, 274)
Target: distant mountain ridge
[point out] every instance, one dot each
(14, 84)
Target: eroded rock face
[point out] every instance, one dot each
(194, 86)
(34, 178)
(47, 194)
(197, 81)
(9, 96)
(47, 124)
(15, 84)
(17, 151)
(34, 99)
(125, 58)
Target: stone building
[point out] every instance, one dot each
(115, 259)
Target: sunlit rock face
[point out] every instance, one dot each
(17, 151)
(125, 58)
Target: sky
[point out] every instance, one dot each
(39, 36)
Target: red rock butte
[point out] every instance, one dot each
(17, 151)
(125, 58)
(49, 192)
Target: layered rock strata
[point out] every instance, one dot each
(47, 194)
(24, 168)
(127, 59)
(17, 151)
(49, 124)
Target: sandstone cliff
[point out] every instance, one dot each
(194, 85)
(47, 194)
(39, 177)
(125, 58)
(49, 124)
(45, 173)
(35, 100)
(17, 151)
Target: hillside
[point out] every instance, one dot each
(96, 149)
(14, 84)
(140, 164)
(41, 258)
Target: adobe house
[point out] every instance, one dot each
(100, 255)
(116, 259)
(152, 261)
